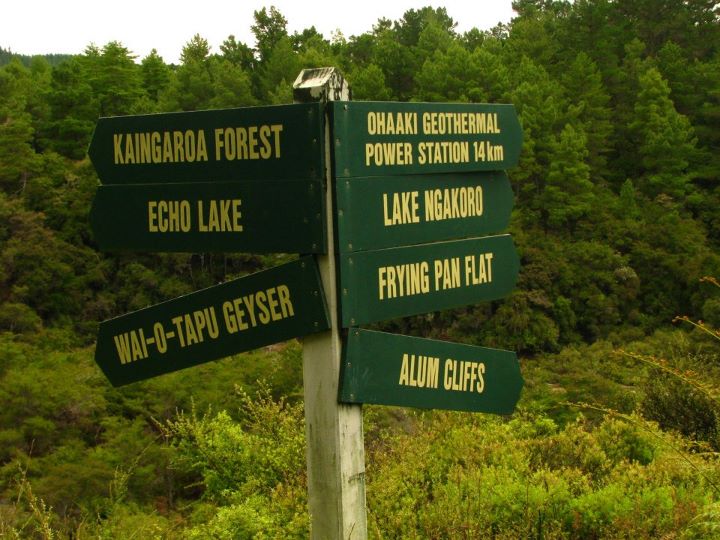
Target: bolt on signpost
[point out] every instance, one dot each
(396, 208)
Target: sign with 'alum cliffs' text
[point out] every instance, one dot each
(389, 369)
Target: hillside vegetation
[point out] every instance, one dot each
(616, 219)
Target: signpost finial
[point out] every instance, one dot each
(321, 84)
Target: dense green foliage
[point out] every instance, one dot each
(617, 219)
(7, 56)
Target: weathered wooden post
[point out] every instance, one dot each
(335, 452)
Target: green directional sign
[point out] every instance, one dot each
(264, 308)
(272, 143)
(378, 212)
(256, 216)
(396, 282)
(391, 138)
(388, 369)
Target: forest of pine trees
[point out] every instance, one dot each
(616, 219)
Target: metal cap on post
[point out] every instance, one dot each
(321, 84)
(335, 451)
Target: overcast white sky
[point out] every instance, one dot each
(68, 26)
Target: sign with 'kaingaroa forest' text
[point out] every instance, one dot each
(270, 143)
(374, 138)
(388, 369)
(274, 305)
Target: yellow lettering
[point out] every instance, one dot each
(276, 130)
(156, 147)
(136, 347)
(201, 152)
(236, 226)
(447, 374)
(285, 303)
(152, 216)
(122, 344)
(403, 280)
(260, 300)
(145, 155)
(478, 270)
(129, 150)
(167, 148)
(481, 379)
(383, 154)
(177, 321)
(169, 216)
(219, 143)
(231, 150)
(240, 314)
(265, 148)
(253, 142)
(404, 375)
(190, 145)
(191, 334)
(273, 304)
(230, 321)
(433, 371)
(178, 150)
(419, 371)
(242, 145)
(249, 301)
(464, 376)
(117, 147)
(447, 271)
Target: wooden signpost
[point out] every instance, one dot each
(394, 201)
(333, 430)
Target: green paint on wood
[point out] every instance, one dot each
(260, 309)
(391, 138)
(379, 212)
(279, 142)
(388, 369)
(396, 282)
(281, 216)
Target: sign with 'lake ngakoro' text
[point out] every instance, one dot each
(379, 212)
(249, 312)
(388, 369)
(269, 143)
